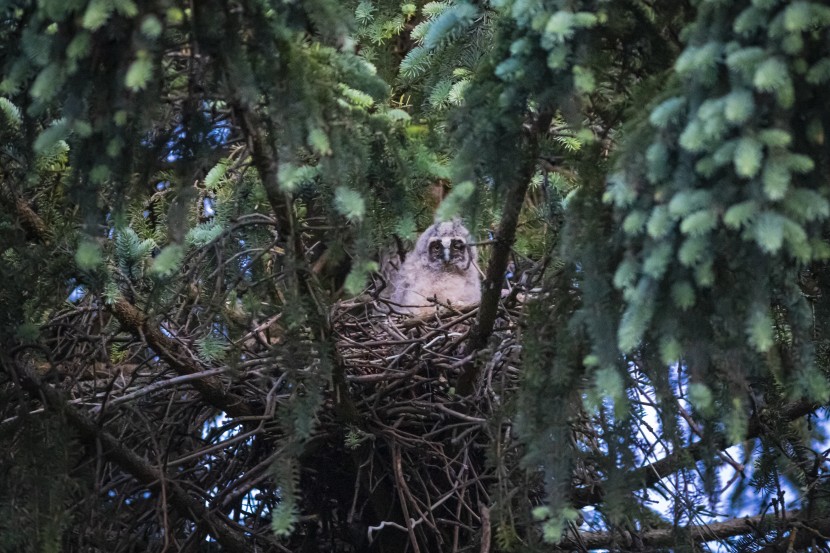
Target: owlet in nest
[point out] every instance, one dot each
(440, 270)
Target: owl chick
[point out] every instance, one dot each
(440, 269)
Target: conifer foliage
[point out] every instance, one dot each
(197, 200)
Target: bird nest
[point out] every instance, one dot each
(435, 446)
(411, 461)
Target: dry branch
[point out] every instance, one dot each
(697, 533)
(135, 465)
(651, 474)
(210, 387)
(139, 325)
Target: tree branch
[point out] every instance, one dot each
(663, 537)
(652, 473)
(234, 63)
(265, 161)
(148, 475)
(502, 244)
(211, 387)
(137, 323)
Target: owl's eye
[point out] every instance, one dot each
(435, 248)
(457, 245)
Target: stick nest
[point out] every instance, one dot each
(436, 447)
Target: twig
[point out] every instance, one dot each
(485, 528)
(175, 381)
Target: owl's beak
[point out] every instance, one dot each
(446, 255)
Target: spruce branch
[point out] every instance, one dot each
(137, 323)
(148, 475)
(700, 533)
(651, 474)
(210, 387)
(232, 60)
(266, 162)
(502, 244)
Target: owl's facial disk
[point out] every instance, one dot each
(448, 250)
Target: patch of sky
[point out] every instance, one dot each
(77, 294)
(737, 496)
(208, 206)
(219, 429)
(220, 133)
(245, 265)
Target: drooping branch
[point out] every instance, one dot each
(697, 533)
(651, 474)
(90, 431)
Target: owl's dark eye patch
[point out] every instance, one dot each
(458, 245)
(435, 247)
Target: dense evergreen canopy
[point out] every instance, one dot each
(197, 200)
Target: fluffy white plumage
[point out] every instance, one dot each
(441, 269)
